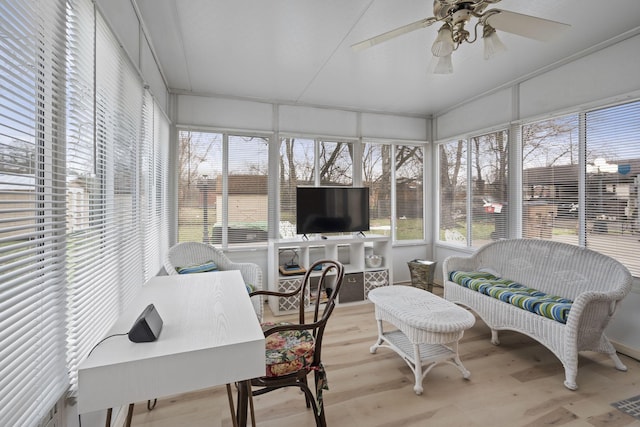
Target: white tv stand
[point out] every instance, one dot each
(350, 250)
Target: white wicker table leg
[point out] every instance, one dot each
(378, 343)
(417, 370)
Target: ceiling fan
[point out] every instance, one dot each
(455, 14)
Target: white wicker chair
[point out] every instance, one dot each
(190, 253)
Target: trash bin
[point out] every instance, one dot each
(422, 273)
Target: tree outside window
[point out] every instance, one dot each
(473, 196)
(221, 205)
(409, 160)
(550, 179)
(453, 191)
(489, 212)
(376, 174)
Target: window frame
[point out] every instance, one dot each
(225, 134)
(466, 239)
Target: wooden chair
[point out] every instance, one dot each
(293, 350)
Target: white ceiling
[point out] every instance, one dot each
(298, 51)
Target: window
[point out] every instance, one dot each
(452, 158)
(376, 174)
(223, 188)
(335, 163)
(476, 213)
(489, 215)
(300, 166)
(247, 191)
(332, 163)
(612, 180)
(33, 371)
(550, 167)
(83, 154)
(591, 202)
(116, 183)
(409, 192)
(297, 167)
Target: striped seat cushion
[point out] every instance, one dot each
(205, 267)
(550, 306)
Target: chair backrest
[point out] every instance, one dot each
(191, 253)
(324, 287)
(555, 268)
(194, 253)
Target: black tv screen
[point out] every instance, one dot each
(332, 209)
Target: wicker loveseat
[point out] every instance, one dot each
(559, 294)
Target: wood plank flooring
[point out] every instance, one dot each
(519, 383)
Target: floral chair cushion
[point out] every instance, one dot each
(287, 351)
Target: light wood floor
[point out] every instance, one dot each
(519, 383)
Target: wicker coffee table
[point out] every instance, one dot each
(429, 328)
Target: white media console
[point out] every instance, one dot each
(350, 250)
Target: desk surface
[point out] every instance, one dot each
(210, 336)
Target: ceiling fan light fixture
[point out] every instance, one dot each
(443, 44)
(454, 15)
(492, 43)
(444, 65)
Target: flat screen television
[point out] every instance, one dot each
(332, 209)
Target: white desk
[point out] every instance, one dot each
(210, 336)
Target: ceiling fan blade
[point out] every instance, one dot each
(526, 25)
(393, 33)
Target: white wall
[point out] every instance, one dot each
(230, 113)
(611, 74)
(623, 330)
(494, 109)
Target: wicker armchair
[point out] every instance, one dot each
(192, 253)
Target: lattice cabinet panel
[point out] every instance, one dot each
(375, 279)
(291, 303)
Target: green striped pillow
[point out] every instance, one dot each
(198, 268)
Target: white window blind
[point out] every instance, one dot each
(199, 165)
(550, 177)
(247, 200)
(297, 167)
(473, 189)
(161, 144)
(593, 203)
(33, 373)
(452, 177)
(105, 252)
(150, 194)
(612, 180)
(223, 191)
